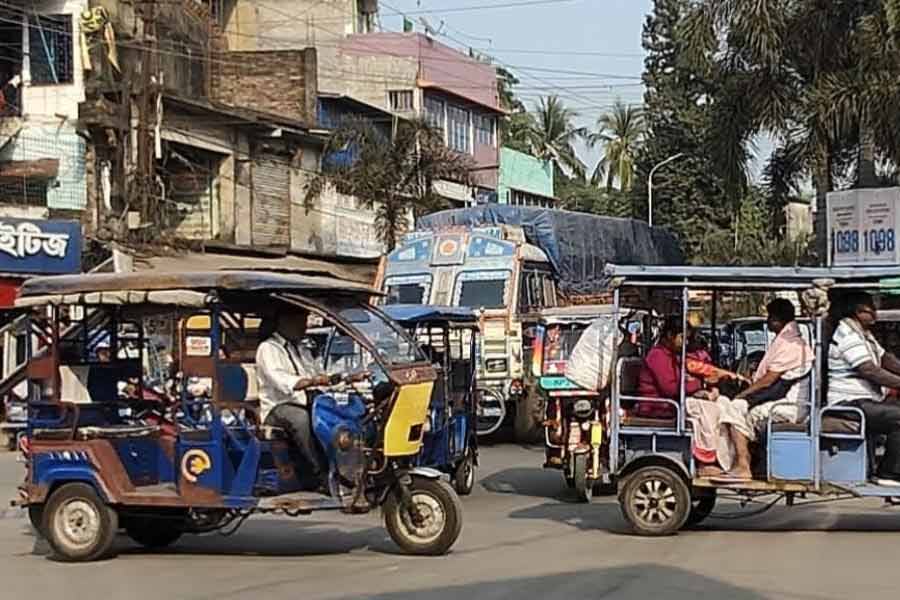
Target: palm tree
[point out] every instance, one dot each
(554, 134)
(621, 132)
(389, 172)
(795, 72)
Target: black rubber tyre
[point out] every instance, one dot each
(464, 475)
(584, 487)
(443, 518)
(78, 524)
(655, 501)
(701, 507)
(153, 533)
(36, 517)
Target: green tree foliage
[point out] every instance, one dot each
(620, 132)
(392, 174)
(690, 196)
(819, 76)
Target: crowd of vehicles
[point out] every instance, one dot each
(117, 436)
(509, 264)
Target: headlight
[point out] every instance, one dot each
(495, 365)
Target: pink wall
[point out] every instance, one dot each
(441, 65)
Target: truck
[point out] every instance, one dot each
(509, 263)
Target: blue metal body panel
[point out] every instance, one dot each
(331, 415)
(843, 460)
(790, 456)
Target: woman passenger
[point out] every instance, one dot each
(660, 378)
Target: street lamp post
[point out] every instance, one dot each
(650, 185)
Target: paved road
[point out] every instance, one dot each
(522, 538)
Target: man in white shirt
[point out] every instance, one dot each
(858, 370)
(285, 371)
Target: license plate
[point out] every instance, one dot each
(491, 412)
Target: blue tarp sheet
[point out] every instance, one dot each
(578, 245)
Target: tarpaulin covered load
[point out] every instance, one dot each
(578, 245)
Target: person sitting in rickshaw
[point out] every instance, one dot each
(859, 370)
(287, 373)
(660, 377)
(786, 363)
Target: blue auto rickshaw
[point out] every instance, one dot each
(201, 460)
(448, 336)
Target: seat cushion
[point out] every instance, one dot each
(793, 427)
(629, 421)
(842, 425)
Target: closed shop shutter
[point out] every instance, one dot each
(271, 224)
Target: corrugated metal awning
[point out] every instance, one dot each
(208, 261)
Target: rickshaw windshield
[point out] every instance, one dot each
(393, 345)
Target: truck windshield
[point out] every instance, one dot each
(407, 293)
(486, 293)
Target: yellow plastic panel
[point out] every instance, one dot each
(410, 411)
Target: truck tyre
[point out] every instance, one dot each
(527, 425)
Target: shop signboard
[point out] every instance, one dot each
(862, 226)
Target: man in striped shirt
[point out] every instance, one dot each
(858, 370)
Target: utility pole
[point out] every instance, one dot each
(146, 106)
(650, 185)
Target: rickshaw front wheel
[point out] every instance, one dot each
(464, 474)
(655, 501)
(437, 524)
(153, 533)
(584, 487)
(78, 524)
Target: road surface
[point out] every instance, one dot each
(523, 537)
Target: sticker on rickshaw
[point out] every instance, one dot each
(194, 463)
(198, 345)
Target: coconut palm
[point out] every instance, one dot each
(554, 134)
(620, 132)
(792, 68)
(391, 173)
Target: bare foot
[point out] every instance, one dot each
(710, 471)
(741, 473)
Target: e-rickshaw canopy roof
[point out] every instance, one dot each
(412, 314)
(177, 289)
(750, 278)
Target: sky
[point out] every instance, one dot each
(587, 51)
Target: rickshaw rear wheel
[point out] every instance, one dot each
(464, 474)
(702, 506)
(441, 513)
(584, 487)
(78, 524)
(153, 533)
(655, 501)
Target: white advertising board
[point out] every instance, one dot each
(862, 227)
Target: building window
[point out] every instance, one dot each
(50, 49)
(520, 198)
(434, 113)
(458, 125)
(484, 130)
(401, 100)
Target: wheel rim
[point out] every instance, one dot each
(78, 523)
(433, 518)
(655, 502)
